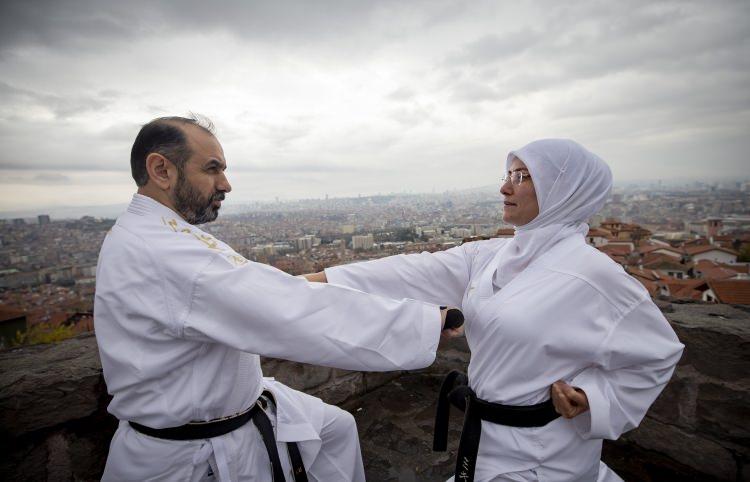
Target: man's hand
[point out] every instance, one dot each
(568, 401)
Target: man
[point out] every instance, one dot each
(181, 320)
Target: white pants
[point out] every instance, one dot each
(241, 455)
(603, 474)
(340, 457)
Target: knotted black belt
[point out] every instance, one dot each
(215, 428)
(455, 390)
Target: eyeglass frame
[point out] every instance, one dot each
(519, 174)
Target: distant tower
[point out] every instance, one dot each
(43, 219)
(713, 227)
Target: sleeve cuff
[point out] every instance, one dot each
(335, 275)
(430, 333)
(594, 422)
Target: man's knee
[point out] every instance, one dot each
(339, 422)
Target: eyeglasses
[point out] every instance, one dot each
(515, 177)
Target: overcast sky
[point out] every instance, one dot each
(344, 97)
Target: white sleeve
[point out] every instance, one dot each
(634, 364)
(259, 309)
(440, 278)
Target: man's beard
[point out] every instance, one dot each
(193, 207)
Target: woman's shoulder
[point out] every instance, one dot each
(484, 245)
(601, 274)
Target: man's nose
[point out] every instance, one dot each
(223, 184)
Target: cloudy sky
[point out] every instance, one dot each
(344, 97)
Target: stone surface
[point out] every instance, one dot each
(717, 337)
(395, 427)
(299, 376)
(45, 385)
(54, 424)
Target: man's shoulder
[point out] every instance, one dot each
(166, 240)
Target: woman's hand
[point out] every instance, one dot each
(452, 322)
(319, 277)
(568, 401)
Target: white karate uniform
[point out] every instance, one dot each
(573, 315)
(180, 321)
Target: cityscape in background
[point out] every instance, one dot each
(686, 244)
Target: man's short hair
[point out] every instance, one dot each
(165, 136)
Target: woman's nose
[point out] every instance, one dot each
(506, 189)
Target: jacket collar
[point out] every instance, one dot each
(142, 205)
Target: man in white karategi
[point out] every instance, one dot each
(181, 320)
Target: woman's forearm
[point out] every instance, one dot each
(319, 277)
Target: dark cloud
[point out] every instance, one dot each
(46, 178)
(93, 24)
(402, 94)
(494, 48)
(52, 178)
(381, 90)
(62, 107)
(303, 167)
(283, 135)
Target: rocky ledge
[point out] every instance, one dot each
(54, 425)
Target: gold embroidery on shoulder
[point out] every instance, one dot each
(172, 223)
(236, 259)
(206, 239)
(209, 241)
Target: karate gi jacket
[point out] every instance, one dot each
(572, 314)
(181, 320)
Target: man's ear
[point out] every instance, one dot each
(161, 171)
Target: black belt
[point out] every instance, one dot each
(455, 390)
(215, 428)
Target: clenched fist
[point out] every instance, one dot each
(568, 401)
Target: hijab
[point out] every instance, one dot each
(571, 185)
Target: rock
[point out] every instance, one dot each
(341, 388)
(54, 425)
(717, 339)
(699, 453)
(299, 376)
(43, 386)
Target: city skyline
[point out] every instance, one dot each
(346, 99)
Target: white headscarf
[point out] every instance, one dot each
(571, 185)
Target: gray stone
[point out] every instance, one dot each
(374, 380)
(58, 458)
(54, 424)
(723, 411)
(717, 338)
(46, 385)
(698, 452)
(300, 376)
(342, 388)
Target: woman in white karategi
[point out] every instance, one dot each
(543, 309)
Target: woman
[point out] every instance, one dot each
(543, 308)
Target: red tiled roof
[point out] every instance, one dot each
(731, 291)
(643, 274)
(693, 250)
(697, 242)
(652, 259)
(717, 271)
(616, 249)
(599, 232)
(691, 289)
